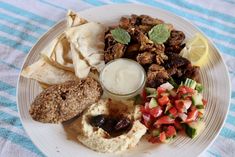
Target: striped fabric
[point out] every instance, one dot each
(23, 22)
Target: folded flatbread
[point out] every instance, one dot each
(73, 19)
(87, 41)
(46, 73)
(58, 52)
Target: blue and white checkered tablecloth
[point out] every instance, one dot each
(22, 22)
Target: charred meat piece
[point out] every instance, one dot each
(176, 48)
(176, 38)
(113, 52)
(192, 72)
(145, 43)
(144, 28)
(181, 68)
(135, 20)
(174, 43)
(132, 51)
(145, 58)
(160, 58)
(124, 23)
(156, 76)
(118, 50)
(147, 20)
(175, 61)
(112, 49)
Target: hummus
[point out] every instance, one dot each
(98, 139)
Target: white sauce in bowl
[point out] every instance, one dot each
(122, 76)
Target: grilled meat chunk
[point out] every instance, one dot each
(176, 38)
(175, 61)
(113, 49)
(147, 20)
(124, 23)
(145, 58)
(160, 61)
(174, 43)
(156, 76)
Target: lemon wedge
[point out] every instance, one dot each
(196, 50)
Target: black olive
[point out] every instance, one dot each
(109, 125)
(97, 121)
(122, 124)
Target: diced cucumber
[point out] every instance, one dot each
(199, 87)
(197, 99)
(156, 132)
(169, 139)
(173, 83)
(153, 103)
(167, 86)
(193, 129)
(200, 106)
(151, 92)
(190, 83)
(154, 95)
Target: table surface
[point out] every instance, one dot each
(23, 22)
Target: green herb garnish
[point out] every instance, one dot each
(159, 34)
(121, 35)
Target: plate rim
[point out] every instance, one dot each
(130, 5)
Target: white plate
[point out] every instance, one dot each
(51, 139)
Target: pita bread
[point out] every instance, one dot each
(58, 52)
(46, 73)
(81, 67)
(73, 19)
(88, 42)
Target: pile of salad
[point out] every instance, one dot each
(172, 108)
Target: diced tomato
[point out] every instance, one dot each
(164, 120)
(185, 90)
(162, 137)
(179, 104)
(173, 112)
(145, 108)
(163, 100)
(193, 107)
(160, 90)
(154, 139)
(178, 125)
(170, 131)
(182, 105)
(204, 101)
(192, 115)
(156, 111)
(142, 109)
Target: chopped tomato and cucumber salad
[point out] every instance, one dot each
(171, 108)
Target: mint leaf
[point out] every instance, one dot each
(121, 35)
(159, 34)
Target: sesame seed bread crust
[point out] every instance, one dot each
(62, 102)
